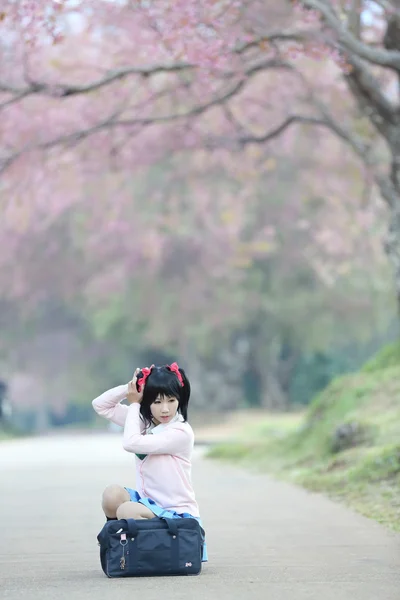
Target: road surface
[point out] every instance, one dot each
(266, 540)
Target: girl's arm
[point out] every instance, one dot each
(173, 440)
(108, 405)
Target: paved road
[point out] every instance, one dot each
(265, 539)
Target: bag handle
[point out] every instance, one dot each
(133, 530)
(131, 527)
(114, 526)
(172, 526)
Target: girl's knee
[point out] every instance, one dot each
(126, 510)
(133, 510)
(113, 496)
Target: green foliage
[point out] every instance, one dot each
(108, 319)
(232, 451)
(314, 371)
(387, 357)
(365, 474)
(378, 464)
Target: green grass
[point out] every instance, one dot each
(366, 475)
(7, 435)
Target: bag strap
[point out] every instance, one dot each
(173, 531)
(131, 527)
(172, 526)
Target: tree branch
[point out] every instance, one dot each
(327, 121)
(266, 137)
(277, 36)
(113, 122)
(377, 56)
(367, 90)
(355, 11)
(15, 99)
(62, 91)
(67, 90)
(362, 150)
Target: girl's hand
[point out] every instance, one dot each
(133, 395)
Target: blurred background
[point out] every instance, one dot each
(209, 183)
(150, 218)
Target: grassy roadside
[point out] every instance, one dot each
(347, 445)
(7, 435)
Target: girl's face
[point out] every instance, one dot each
(164, 409)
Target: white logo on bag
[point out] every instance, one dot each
(188, 565)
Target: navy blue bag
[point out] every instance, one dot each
(151, 547)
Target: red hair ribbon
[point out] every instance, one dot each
(146, 372)
(175, 369)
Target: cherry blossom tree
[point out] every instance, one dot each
(191, 61)
(97, 97)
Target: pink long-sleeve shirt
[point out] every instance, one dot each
(164, 475)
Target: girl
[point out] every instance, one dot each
(157, 432)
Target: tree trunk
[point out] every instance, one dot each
(382, 112)
(275, 398)
(392, 247)
(390, 190)
(217, 382)
(271, 364)
(390, 186)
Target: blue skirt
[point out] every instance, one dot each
(162, 512)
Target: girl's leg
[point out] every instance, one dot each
(113, 496)
(134, 510)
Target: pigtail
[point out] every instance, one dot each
(142, 377)
(184, 394)
(186, 385)
(139, 376)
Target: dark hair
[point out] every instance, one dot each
(164, 382)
